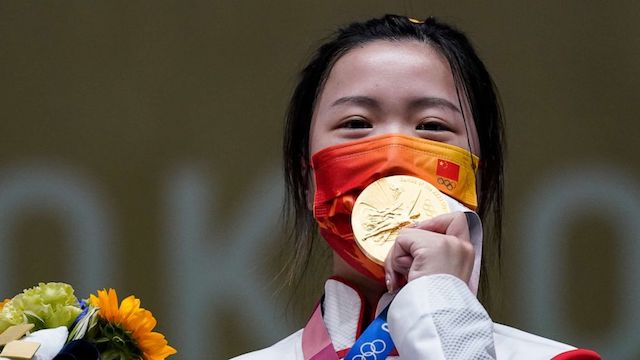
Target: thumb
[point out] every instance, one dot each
(454, 223)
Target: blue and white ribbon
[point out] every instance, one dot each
(375, 343)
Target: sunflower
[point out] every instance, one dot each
(125, 331)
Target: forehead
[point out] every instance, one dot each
(392, 66)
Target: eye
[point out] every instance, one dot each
(432, 126)
(356, 123)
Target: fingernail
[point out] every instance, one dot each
(388, 282)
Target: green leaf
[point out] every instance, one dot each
(35, 320)
(83, 326)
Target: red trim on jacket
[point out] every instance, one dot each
(578, 354)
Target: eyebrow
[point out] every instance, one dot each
(358, 100)
(422, 102)
(431, 102)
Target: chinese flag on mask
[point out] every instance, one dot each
(448, 170)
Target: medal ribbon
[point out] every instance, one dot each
(316, 343)
(374, 343)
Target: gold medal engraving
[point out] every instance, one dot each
(389, 204)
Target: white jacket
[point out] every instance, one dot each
(434, 317)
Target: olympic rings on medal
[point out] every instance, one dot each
(447, 183)
(385, 327)
(370, 350)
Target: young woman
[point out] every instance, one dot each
(399, 96)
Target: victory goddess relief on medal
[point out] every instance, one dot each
(389, 204)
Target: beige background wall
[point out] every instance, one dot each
(140, 149)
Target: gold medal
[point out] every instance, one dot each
(389, 204)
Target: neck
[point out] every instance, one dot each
(369, 288)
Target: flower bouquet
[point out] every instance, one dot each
(47, 322)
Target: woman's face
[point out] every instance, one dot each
(384, 87)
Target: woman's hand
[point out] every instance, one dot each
(436, 246)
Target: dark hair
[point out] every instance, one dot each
(472, 80)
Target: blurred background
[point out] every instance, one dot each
(140, 150)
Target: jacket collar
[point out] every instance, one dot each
(344, 312)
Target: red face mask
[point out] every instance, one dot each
(343, 171)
